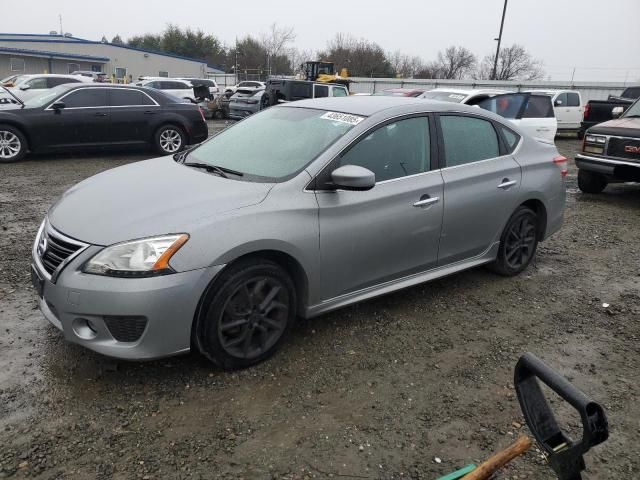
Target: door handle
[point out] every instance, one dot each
(100, 114)
(506, 184)
(424, 202)
(149, 112)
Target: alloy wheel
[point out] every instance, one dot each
(254, 317)
(170, 140)
(520, 242)
(10, 145)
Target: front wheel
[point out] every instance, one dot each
(13, 144)
(246, 314)
(170, 139)
(591, 182)
(518, 243)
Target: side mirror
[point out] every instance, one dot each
(616, 112)
(353, 177)
(557, 103)
(58, 106)
(25, 87)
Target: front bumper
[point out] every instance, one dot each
(93, 310)
(603, 165)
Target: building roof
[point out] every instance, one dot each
(48, 54)
(44, 38)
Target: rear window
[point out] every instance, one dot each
(444, 96)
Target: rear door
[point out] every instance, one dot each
(481, 184)
(533, 113)
(133, 114)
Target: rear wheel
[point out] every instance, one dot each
(246, 314)
(13, 144)
(518, 243)
(591, 182)
(170, 139)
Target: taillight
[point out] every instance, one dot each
(587, 108)
(561, 162)
(202, 114)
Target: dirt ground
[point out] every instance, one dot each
(377, 390)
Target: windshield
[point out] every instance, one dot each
(276, 143)
(45, 97)
(633, 110)
(444, 96)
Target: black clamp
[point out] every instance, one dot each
(565, 456)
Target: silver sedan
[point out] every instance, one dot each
(296, 211)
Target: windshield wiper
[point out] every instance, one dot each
(222, 171)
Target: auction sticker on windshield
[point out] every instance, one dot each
(342, 117)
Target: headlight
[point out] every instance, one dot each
(138, 258)
(595, 139)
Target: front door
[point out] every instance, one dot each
(392, 230)
(481, 184)
(84, 120)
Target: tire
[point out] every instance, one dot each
(580, 134)
(13, 144)
(591, 182)
(218, 115)
(518, 243)
(234, 328)
(169, 139)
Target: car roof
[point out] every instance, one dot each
(370, 105)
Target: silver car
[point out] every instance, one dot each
(296, 211)
(244, 103)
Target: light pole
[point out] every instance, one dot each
(499, 39)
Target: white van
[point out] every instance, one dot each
(567, 105)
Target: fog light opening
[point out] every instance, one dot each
(84, 328)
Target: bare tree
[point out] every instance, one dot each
(298, 57)
(360, 57)
(514, 63)
(276, 40)
(403, 65)
(429, 70)
(455, 62)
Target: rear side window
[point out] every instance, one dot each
(127, 98)
(510, 137)
(90, 97)
(538, 106)
(467, 140)
(55, 81)
(573, 99)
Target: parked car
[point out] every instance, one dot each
(531, 112)
(611, 152)
(598, 111)
(248, 84)
(91, 115)
(99, 77)
(211, 84)
(401, 92)
(28, 86)
(567, 106)
(177, 88)
(8, 81)
(298, 210)
(244, 103)
(287, 90)
(458, 95)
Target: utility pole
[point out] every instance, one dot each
(60, 18)
(499, 39)
(235, 68)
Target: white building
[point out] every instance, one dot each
(54, 53)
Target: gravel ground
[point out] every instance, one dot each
(377, 390)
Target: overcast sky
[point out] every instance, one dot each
(601, 38)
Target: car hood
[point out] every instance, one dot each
(619, 126)
(151, 197)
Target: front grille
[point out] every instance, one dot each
(126, 329)
(617, 146)
(54, 249)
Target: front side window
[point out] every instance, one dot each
(339, 92)
(573, 99)
(395, 150)
(86, 97)
(467, 140)
(37, 83)
(17, 64)
(256, 148)
(320, 91)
